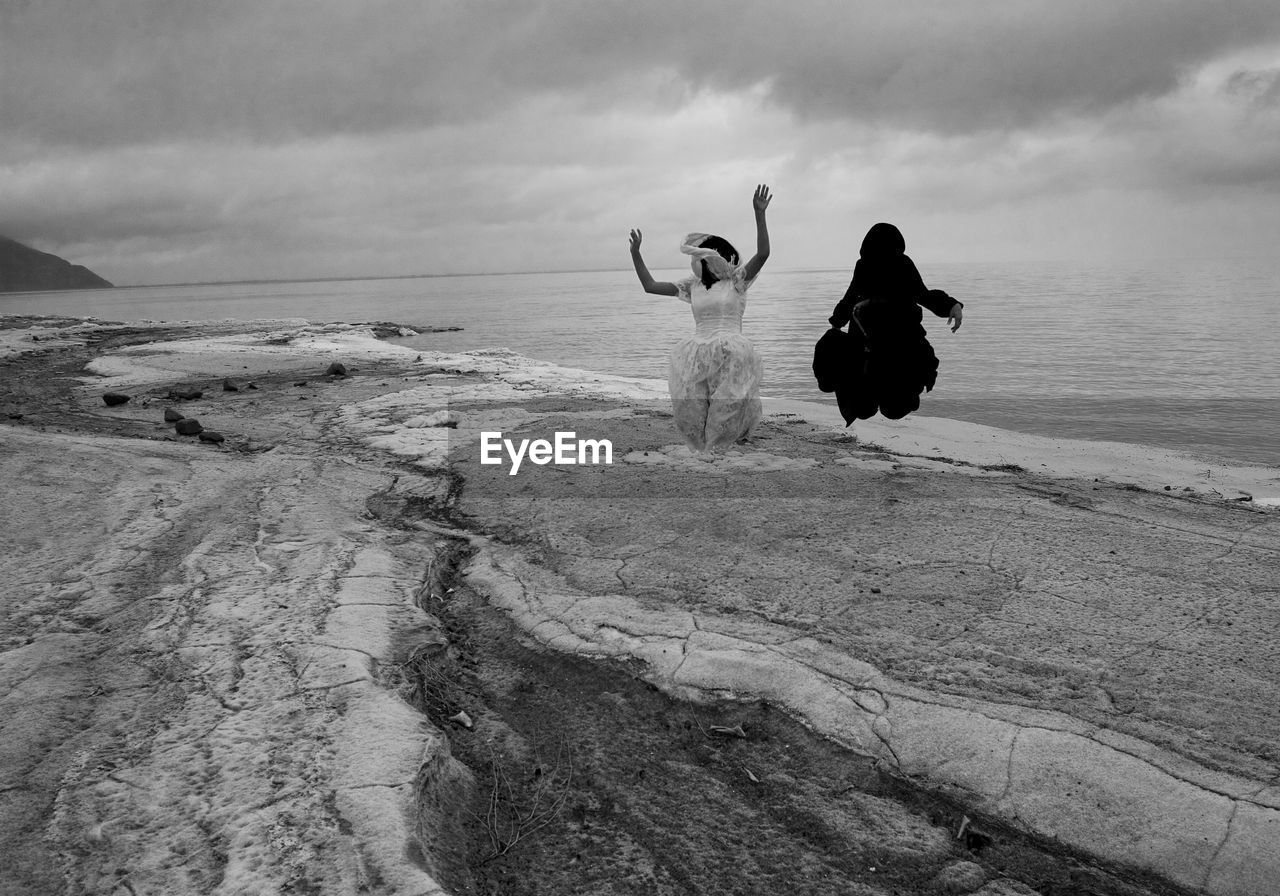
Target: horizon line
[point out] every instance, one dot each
(449, 274)
(349, 278)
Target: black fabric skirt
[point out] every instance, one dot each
(882, 365)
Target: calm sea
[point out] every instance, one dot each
(1180, 355)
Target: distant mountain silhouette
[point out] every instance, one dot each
(23, 268)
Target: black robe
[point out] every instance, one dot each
(885, 361)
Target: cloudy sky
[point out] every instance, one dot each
(158, 141)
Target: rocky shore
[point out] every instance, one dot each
(332, 651)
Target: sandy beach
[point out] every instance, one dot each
(332, 651)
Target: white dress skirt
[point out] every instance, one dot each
(714, 375)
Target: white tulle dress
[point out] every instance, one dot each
(714, 377)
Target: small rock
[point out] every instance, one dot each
(113, 399)
(461, 718)
(229, 386)
(960, 877)
(337, 368)
(301, 383)
(875, 590)
(188, 426)
(15, 416)
(251, 386)
(185, 394)
(735, 731)
(208, 435)
(172, 416)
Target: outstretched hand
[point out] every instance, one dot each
(760, 201)
(955, 317)
(636, 236)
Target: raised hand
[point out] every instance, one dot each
(760, 201)
(657, 287)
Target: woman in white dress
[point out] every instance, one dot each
(714, 376)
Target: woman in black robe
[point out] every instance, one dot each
(885, 360)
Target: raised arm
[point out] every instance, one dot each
(759, 202)
(657, 287)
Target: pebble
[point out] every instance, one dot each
(112, 399)
(960, 877)
(188, 426)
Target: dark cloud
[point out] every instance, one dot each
(178, 141)
(133, 71)
(940, 66)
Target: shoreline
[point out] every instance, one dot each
(585, 561)
(1141, 463)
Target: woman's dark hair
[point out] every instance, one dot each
(725, 250)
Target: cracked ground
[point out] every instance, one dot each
(190, 645)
